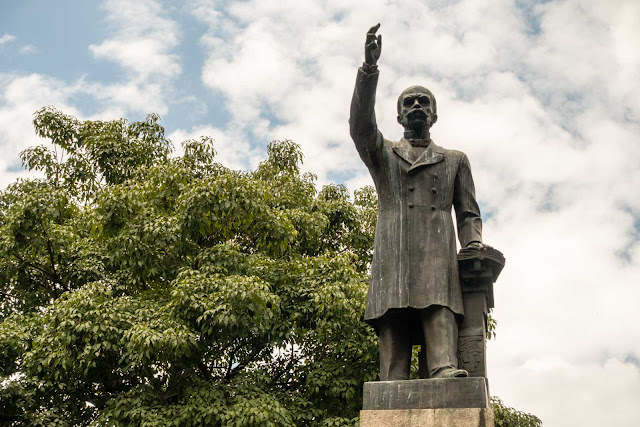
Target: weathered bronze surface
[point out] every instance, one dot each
(479, 269)
(415, 294)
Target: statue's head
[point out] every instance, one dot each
(417, 108)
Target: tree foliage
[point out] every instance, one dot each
(140, 288)
(509, 417)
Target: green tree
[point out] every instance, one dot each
(139, 288)
(509, 417)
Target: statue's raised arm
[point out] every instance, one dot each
(362, 121)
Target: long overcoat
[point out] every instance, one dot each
(414, 261)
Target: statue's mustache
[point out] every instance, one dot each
(417, 113)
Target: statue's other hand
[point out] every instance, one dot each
(475, 245)
(373, 46)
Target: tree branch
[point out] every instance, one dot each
(227, 376)
(51, 260)
(288, 366)
(235, 371)
(52, 290)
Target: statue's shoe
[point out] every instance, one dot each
(451, 373)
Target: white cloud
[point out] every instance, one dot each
(232, 148)
(122, 98)
(143, 43)
(143, 39)
(6, 38)
(206, 11)
(20, 97)
(28, 49)
(267, 65)
(561, 393)
(143, 56)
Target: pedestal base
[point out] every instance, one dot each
(444, 417)
(459, 402)
(426, 394)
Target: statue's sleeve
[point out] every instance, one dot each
(464, 201)
(362, 121)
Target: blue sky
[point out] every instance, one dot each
(541, 95)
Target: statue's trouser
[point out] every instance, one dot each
(440, 331)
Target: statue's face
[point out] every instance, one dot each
(416, 110)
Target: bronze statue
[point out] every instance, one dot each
(415, 292)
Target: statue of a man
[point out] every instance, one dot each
(415, 292)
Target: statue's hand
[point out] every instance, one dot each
(475, 245)
(372, 46)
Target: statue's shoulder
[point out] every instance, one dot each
(389, 144)
(452, 154)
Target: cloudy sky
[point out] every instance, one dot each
(542, 96)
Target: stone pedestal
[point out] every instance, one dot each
(453, 417)
(459, 402)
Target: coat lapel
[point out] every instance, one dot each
(403, 149)
(433, 154)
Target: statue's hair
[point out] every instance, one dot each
(418, 89)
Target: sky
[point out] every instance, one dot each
(541, 96)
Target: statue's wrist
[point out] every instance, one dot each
(369, 68)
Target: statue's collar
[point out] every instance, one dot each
(433, 154)
(419, 142)
(416, 142)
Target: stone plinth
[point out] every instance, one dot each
(448, 417)
(460, 402)
(426, 394)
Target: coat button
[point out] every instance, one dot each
(434, 191)
(410, 205)
(433, 208)
(412, 188)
